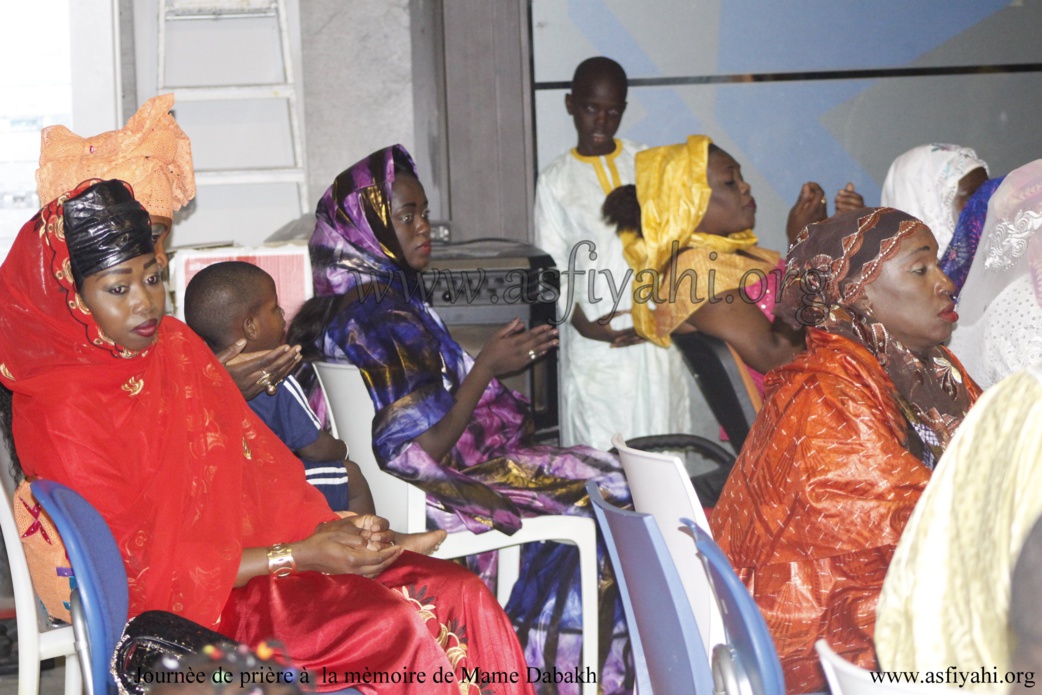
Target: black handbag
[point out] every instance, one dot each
(149, 637)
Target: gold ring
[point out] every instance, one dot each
(532, 355)
(265, 379)
(271, 389)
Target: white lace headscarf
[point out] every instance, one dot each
(1000, 306)
(1010, 245)
(923, 182)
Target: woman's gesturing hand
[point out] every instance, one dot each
(811, 206)
(512, 348)
(847, 199)
(248, 371)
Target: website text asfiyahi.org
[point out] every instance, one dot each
(648, 285)
(953, 676)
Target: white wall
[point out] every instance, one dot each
(239, 134)
(46, 83)
(358, 80)
(353, 65)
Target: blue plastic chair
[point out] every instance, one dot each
(748, 662)
(667, 646)
(99, 602)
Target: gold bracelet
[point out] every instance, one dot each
(280, 560)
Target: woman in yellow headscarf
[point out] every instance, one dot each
(694, 255)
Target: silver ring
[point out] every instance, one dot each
(532, 355)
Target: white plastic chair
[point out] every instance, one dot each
(845, 678)
(661, 487)
(667, 646)
(34, 645)
(404, 505)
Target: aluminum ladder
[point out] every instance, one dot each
(287, 90)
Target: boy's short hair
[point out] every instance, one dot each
(599, 67)
(221, 296)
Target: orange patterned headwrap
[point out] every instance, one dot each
(150, 152)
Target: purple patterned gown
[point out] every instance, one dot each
(494, 476)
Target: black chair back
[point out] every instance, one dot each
(722, 383)
(708, 485)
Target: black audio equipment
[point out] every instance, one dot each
(479, 286)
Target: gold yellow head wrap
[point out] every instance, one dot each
(150, 152)
(673, 192)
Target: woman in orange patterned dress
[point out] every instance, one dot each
(848, 435)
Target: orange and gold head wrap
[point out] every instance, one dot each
(150, 152)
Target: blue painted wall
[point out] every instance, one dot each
(787, 132)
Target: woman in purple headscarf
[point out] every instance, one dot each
(443, 421)
(959, 255)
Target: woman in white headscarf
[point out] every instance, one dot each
(1000, 307)
(934, 182)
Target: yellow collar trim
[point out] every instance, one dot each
(604, 167)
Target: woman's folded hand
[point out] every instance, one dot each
(354, 545)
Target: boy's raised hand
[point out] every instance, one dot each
(248, 370)
(602, 330)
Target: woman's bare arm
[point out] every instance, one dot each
(761, 344)
(336, 547)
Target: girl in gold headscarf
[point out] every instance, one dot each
(694, 255)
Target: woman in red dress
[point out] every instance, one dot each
(211, 512)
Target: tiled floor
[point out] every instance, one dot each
(52, 678)
(52, 681)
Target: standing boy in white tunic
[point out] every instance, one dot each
(611, 379)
